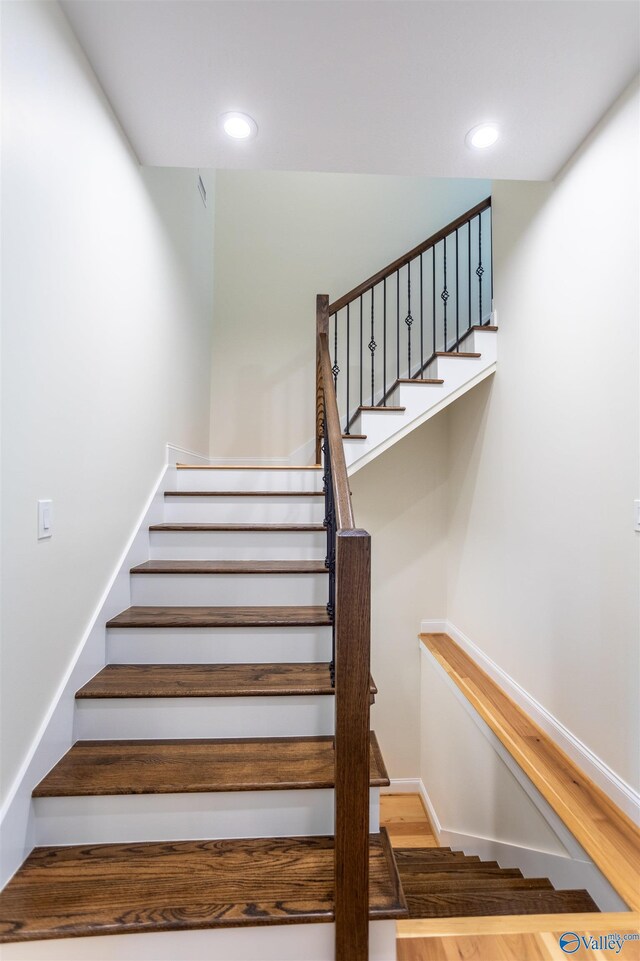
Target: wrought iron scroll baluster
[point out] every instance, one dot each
(347, 429)
(444, 296)
(408, 320)
(335, 370)
(372, 348)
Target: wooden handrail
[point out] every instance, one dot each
(406, 258)
(342, 494)
(349, 560)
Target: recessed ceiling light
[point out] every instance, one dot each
(239, 126)
(482, 136)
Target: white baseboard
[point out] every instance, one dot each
(180, 455)
(55, 735)
(621, 793)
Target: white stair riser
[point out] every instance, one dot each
(277, 942)
(194, 717)
(417, 398)
(249, 480)
(152, 590)
(218, 645)
(244, 510)
(238, 545)
(377, 426)
(168, 817)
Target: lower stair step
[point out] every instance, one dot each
(480, 902)
(483, 883)
(280, 616)
(95, 768)
(113, 889)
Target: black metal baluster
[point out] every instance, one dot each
(457, 299)
(372, 348)
(347, 429)
(469, 272)
(335, 370)
(330, 559)
(491, 251)
(444, 296)
(408, 320)
(361, 357)
(479, 269)
(398, 324)
(433, 297)
(421, 324)
(384, 343)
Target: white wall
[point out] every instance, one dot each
(543, 561)
(282, 238)
(107, 301)
(400, 498)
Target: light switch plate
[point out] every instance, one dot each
(45, 519)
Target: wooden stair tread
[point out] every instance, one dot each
(431, 855)
(454, 353)
(209, 680)
(221, 617)
(477, 903)
(388, 409)
(177, 885)
(237, 493)
(482, 883)
(419, 380)
(266, 528)
(456, 869)
(354, 436)
(230, 567)
(192, 766)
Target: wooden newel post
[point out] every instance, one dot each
(322, 327)
(353, 620)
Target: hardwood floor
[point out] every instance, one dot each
(406, 820)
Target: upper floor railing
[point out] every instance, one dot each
(393, 325)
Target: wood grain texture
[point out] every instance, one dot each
(387, 410)
(605, 832)
(410, 255)
(221, 617)
(352, 659)
(125, 888)
(514, 946)
(221, 528)
(418, 380)
(480, 880)
(456, 353)
(483, 901)
(230, 567)
(210, 680)
(189, 766)
(514, 924)
(406, 820)
(341, 490)
(237, 493)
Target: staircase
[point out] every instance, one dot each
(199, 792)
(441, 883)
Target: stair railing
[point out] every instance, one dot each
(422, 304)
(349, 563)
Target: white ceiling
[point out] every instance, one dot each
(368, 86)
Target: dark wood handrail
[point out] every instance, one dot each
(342, 494)
(349, 561)
(406, 258)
